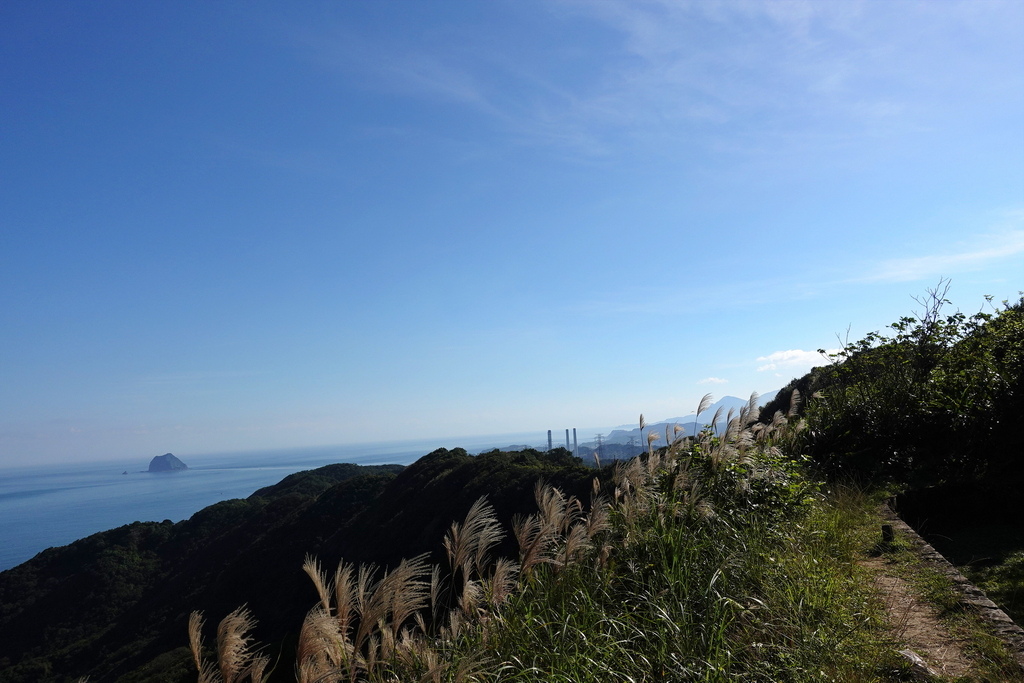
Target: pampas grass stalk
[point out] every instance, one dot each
(344, 596)
(651, 438)
(312, 568)
(795, 401)
(468, 544)
(715, 418)
(207, 671)
(235, 655)
(321, 648)
(533, 540)
(503, 581)
(704, 404)
(236, 659)
(406, 591)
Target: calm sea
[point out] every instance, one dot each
(53, 505)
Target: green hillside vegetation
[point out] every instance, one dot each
(710, 559)
(934, 410)
(732, 555)
(935, 401)
(720, 559)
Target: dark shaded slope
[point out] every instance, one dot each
(416, 509)
(257, 561)
(114, 606)
(106, 603)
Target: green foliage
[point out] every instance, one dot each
(773, 484)
(936, 399)
(700, 579)
(313, 482)
(932, 408)
(1004, 583)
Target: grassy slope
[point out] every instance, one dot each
(720, 562)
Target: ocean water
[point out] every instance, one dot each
(53, 505)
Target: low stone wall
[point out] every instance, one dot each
(971, 596)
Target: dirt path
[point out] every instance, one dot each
(917, 625)
(994, 644)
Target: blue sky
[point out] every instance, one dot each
(230, 226)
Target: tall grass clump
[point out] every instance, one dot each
(712, 558)
(237, 661)
(721, 562)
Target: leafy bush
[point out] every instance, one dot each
(936, 399)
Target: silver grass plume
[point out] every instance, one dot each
(643, 423)
(503, 581)
(651, 438)
(576, 542)
(235, 656)
(207, 671)
(715, 418)
(321, 649)
(678, 435)
(312, 568)
(704, 404)
(750, 411)
(795, 399)
(344, 596)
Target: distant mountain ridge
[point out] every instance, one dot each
(691, 424)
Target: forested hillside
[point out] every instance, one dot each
(115, 605)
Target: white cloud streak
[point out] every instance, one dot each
(713, 380)
(791, 359)
(747, 77)
(980, 252)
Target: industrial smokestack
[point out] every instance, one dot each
(566, 439)
(575, 445)
(549, 439)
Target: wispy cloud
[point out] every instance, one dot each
(791, 359)
(760, 77)
(742, 76)
(713, 380)
(976, 254)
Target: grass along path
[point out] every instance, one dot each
(916, 624)
(933, 618)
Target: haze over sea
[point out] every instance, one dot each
(52, 505)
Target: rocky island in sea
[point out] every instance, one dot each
(166, 463)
